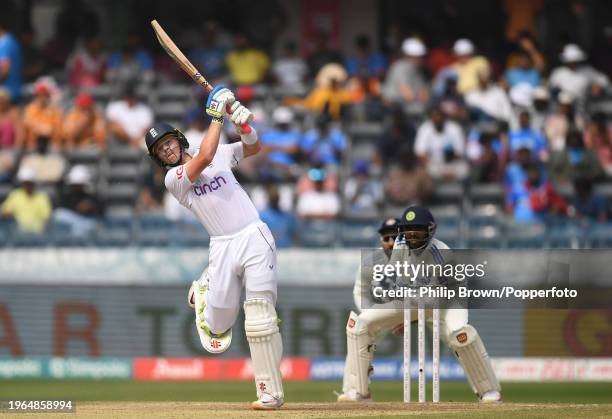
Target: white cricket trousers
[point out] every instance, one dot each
(244, 259)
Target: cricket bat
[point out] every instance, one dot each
(177, 55)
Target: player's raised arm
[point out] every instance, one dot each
(218, 98)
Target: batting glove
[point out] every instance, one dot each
(240, 114)
(218, 98)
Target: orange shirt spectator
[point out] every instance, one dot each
(84, 126)
(42, 120)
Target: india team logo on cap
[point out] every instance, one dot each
(410, 216)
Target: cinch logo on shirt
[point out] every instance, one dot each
(213, 185)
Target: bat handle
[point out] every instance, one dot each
(246, 128)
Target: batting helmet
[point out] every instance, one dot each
(159, 131)
(417, 218)
(389, 226)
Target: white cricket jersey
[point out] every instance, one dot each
(215, 197)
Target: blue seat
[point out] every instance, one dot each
(154, 230)
(317, 233)
(6, 231)
(599, 236)
(61, 235)
(115, 232)
(485, 237)
(24, 239)
(185, 234)
(354, 234)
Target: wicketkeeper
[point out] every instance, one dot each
(415, 236)
(242, 249)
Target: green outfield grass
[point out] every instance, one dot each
(320, 391)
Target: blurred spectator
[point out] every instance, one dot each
(535, 198)
(131, 63)
(598, 137)
(86, 66)
(208, 54)
(408, 182)
(588, 204)
(559, 123)
(73, 20)
(281, 223)
(575, 76)
(42, 120)
(84, 126)
(574, 161)
(34, 64)
(440, 145)
(527, 137)
(516, 170)
(365, 63)
(450, 101)
(329, 96)
(406, 81)
(440, 56)
(322, 54)
(281, 145)
(526, 44)
(290, 69)
(363, 193)
(29, 208)
(129, 118)
(10, 61)
(487, 163)
(469, 66)
(523, 71)
(323, 144)
(397, 137)
(152, 191)
(247, 65)
(11, 135)
(540, 108)
(318, 204)
(489, 101)
(78, 207)
(11, 127)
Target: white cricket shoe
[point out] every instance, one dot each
(215, 343)
(267, 402)
(353, 396)
(491, 397)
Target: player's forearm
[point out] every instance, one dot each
(208, 148)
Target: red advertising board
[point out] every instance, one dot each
(209, 369)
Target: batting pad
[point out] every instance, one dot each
(475, 360)
(360, 351)
(261, 329)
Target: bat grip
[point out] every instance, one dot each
(246, 128)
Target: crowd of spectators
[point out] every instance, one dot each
(446, 113)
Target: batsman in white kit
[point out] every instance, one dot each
(242, 249)
(415, 237)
